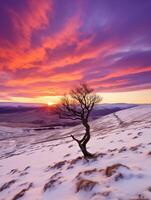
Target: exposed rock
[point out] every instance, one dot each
(140, 197)
(90, 171)
(106, 193)
(68, 154)
(139, 133)
(50, 184)
(23, 173)
(122, 149)
(85, 185)
(102, 137)
(112, 150)
(149, 153)
(7, 185)
(119, 176)
(26, 168)
(99, 155)
(22, 192)
(13, 171)
(59, 164)
(87, 172)
(53, 181)
(110, 170)
(74, 161)
(135, 148)
(135, 137)
(70, 146)
(149, 189)
(56, 175)
(56, 165)
(100, 194)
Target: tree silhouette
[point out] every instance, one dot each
(78, 106)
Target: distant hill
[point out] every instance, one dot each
(16, 104)
(105, 109)
(40, 115)
(13, 107)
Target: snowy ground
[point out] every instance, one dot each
(49, 166)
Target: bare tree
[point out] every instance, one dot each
(78, 106)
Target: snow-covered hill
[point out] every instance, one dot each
(50, 165)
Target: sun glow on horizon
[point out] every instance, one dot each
(50, 103)
(135, 97)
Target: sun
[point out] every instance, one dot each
(50, 103)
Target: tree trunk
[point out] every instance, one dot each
(83, 142)
(84, 151)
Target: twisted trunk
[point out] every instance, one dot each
(83, 142)
(84, 151)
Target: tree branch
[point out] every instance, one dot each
(78, 141)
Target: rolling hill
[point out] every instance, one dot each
(49, 165)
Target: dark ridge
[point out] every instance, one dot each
(9, 109)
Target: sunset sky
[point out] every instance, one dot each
(50, 46)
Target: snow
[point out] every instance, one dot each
(122, 147)
(115, 105)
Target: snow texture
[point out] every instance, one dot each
(48, 164)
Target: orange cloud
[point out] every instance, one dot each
(62, 77)
(67, 34)
(123, 72)
(67, 77)
(36, 17)
(21, 54)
